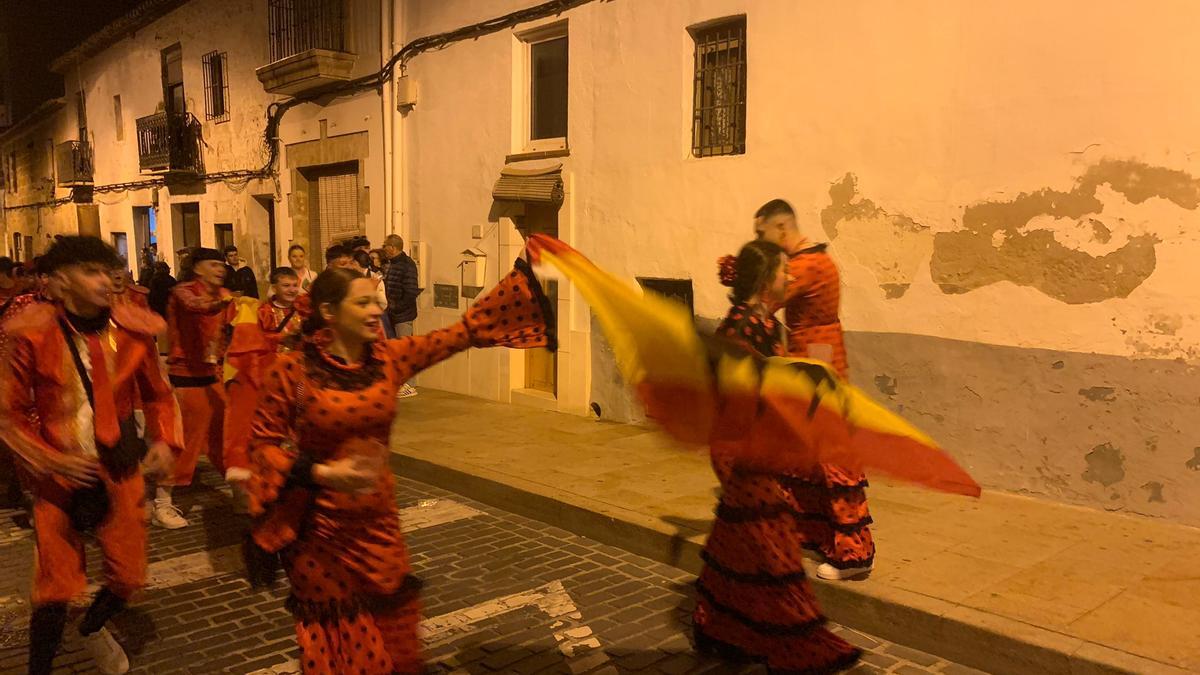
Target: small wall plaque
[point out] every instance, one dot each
(445, 295)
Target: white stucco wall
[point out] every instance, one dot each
(905, 133)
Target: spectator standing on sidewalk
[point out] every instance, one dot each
(298, 258)
(239, 278)
(160, 288)
(401, 284)
(401, 291)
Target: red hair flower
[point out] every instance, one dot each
(727, 270)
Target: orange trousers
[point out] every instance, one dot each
(59, 565)
(242, 401)
(203, 412)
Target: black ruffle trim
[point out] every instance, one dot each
(736, 514)
(728, 652)
(760, 627)
(847, 564)
(804, 483)
(755, 578)
(326, 375)
(333, 610)
(539, 296)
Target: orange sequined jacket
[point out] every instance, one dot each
(41, 394)
(813, 298)
(271, 316)
(197, 319)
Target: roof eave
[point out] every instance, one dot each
(136, 19)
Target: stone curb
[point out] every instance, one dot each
(974, 638)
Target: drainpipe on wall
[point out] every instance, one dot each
(387, 92)
(400, 167)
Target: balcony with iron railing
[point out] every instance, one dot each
(169, 143)
(73, 159)
(308, 46)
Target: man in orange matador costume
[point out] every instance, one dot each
(833, 496)
(72, 372)
(199, 313)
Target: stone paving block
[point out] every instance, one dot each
(880, 660)
(908, 654)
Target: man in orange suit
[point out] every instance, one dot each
(199, 313)
(73, 370)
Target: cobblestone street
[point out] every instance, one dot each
(502, 594)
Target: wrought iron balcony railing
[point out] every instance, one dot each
(297, 26)
(169, 143)
(73, 159)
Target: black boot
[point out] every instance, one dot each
(45, 635)
(104, 607)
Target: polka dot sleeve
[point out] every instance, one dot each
(272, 450)
(516, 313)
(278, 512)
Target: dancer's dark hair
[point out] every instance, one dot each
(752, 270)
(330, 287)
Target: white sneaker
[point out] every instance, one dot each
(168, 516)
(827, 571)
(107, 654)
(406, 391)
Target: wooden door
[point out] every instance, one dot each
(541, 365)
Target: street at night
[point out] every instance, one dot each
(404, 337)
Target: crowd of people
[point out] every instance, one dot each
(291, 399)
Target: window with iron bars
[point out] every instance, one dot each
(216, 86)
(719, 89)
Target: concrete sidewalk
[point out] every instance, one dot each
(1004, 583)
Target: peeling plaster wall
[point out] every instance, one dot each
(1006, 186)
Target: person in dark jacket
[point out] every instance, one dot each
(239, 278)
(160, 288)
(400, 280)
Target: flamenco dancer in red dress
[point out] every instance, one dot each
(755, 602)
(320, 489)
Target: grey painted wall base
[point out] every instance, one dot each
(1102, 431)
(984, 641)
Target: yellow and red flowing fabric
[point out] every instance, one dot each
(803, 412)
(246, 361)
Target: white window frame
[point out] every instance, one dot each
(522, 87)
